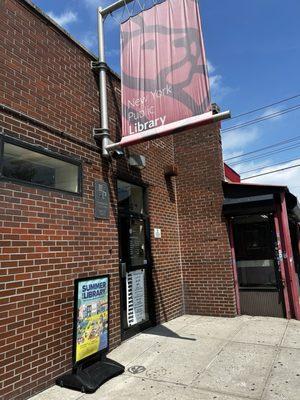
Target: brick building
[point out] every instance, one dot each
(49, 234)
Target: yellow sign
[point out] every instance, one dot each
(92, 317)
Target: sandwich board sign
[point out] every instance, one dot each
(91, 367)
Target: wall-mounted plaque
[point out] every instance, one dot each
(101, 200)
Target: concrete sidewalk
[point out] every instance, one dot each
(204, 358)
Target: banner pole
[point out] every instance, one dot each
(171, 128)
(115, 6)
(102, 87)
(154, 129)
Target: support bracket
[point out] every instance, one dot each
(99, 66)
(99, 133)
(102, 135)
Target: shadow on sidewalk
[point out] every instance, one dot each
(161, 330)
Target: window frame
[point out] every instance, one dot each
(44, 151)
(144, 188)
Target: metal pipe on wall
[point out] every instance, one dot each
(104, 130)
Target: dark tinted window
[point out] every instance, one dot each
(23, 164)
(254, 248)
(130, 197)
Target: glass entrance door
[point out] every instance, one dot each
(135, 267)
(259, 278)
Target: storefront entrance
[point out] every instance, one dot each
(135, 261)
(263, 226)
(259, 280)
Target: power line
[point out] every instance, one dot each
(268, 166)
(271, 172)
(295, 138)
(261, 119)
(266, 154)
(264, 107)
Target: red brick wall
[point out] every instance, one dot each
(47, 238)
(205, 251)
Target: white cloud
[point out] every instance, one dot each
(235, 142)
(110, 23)
(289, 177)
(64, 19)
(253, 166)
(217, 87)
(211, 69)
(89, 40)
(215, 82)
(112, 52)
(270, 111)
(97, 3)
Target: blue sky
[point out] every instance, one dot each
(253, 49)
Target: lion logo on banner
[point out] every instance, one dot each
(164, 73)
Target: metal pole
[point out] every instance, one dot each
(234, 267)
(280, 261)
(115, 6)
(172, 128)
(104, 131)
(289, 259)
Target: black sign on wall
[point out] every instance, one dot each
(101, 200)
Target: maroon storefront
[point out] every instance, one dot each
(263, 223)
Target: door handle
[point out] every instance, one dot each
(123, 269)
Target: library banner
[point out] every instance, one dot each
(91, 317)
(164, 76)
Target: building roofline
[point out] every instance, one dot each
(38, 11)
(256, 184)
(231, 174)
